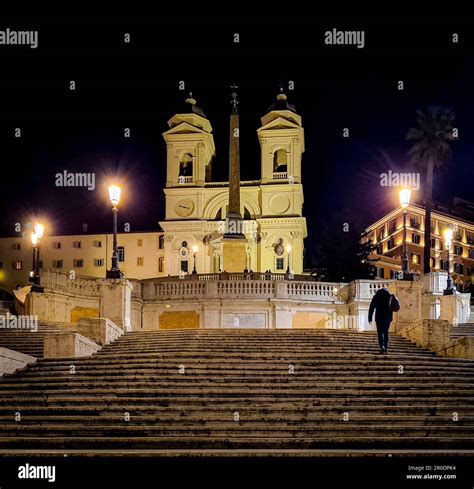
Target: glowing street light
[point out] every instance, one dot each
(39, 230)
(114, 196)
(35, 273)
(195, 250)
(404, 196)
(448, 240)
(288, 251)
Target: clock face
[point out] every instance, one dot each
(184, 207)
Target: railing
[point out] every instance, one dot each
(72, 284)
(365, 289)
(280, 175)
(243, 183)
(185, 179)
(314, 291)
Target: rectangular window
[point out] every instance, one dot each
(139, 242)
(392, 226)
(459, 268)
(279, 264)
(161, 242)
(380, 249)
(57, 245)
(458, 250)
(98, 262)
(76, 244)
(390, 243)
(78, 263)
(471, 254)
(381, 234)
(470, 271)
(415, 258)
(379, 272)
(139, 261)
(414, 223)
(444, 265)
(57, 263)
(184, 266)
(415, 238)
(16, 246)
(17, 265)
(433, 243)
(1, 265)
(121, 253)
(97, 243)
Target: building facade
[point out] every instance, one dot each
(387, 235)
(196, 208)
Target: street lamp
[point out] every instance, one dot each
(195, 250)
(404, 195)
(288, 250)
(114, 196)
(448, 239)
(35, 274)
(34, 241)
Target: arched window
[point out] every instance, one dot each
(161, 264)
(185, 165)
(219, 215)
(280, 161)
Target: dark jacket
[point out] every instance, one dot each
(380, 302)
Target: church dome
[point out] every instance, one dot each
(281, 102)
(191, 106)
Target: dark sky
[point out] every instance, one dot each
(136, 86)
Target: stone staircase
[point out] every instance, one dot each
(211, 391)
(28, 341)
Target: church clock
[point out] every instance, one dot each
(184, 207)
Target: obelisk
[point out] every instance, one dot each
(234, 243)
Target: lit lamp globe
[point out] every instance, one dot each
(34, 239)
(448, 237)
(404, 195)
(39, 230)
(195, 248)
(114, 194)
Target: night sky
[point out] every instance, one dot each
(136, 86)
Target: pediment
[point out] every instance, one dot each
(280, 123)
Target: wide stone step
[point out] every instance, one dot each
(243, 442)
(250, 383)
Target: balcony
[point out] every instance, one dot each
(280, 175)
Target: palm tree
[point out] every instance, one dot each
(431, 150)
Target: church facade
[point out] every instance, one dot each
(272, 207)
(196, 209)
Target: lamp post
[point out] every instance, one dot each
(288, 250)
(195, 250)
(404, 196)
(114, 196)
(448, 239)
(35, 240)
